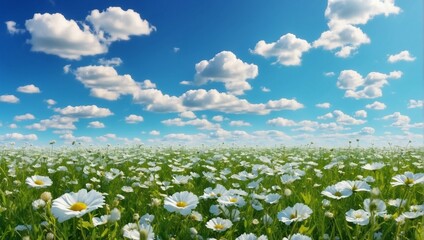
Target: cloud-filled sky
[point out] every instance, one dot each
(211, 72)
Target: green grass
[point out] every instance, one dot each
(146, 168)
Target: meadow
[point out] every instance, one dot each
(210, 192)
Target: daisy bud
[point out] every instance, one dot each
(46, 196)
(329, 214)
(156, 202)
(115, 215)
(49, 236)
(375, 192)
(255, 221)
(26, 238)
(193, 231)
(287, 192)
(136, 216)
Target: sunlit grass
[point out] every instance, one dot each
(215, 192)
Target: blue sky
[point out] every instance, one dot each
(190, 72)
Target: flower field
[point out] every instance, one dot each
(211, 193)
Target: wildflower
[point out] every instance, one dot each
(219, 224)
(267, 220)
(37, 204)
(297, 236)
(287, 192)
(49, 236)
(77, 204)
(38, 181)
(373, 166)
(46, 196)
(375, 206)
(408, 178)
(136, 232)
(272, 198)
(415, 211)
(337, 192)
(359, 217)
(181, 202)
(196, 216)
(146, 219)
(355, 186)
(297, 213)
(397, 202)
(230, 200)
(251, 236)
(127, 189)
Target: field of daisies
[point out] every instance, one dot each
(211, 193)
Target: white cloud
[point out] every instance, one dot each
(288, 49)
(132, 118)
(104, 82)
(283, 103)
(18, 137)
(371, 85)
(345, 119)
(401, 121)
(154, 133)
(342, 37)
(415, 103)
(226, 68)
(27, 116)
(96, 124)
(54, 34)
(12, 28)
(359, 11)
(402, 56)
(323, 105)
(188, 114)
(56, 122)
(218, 118)
(376, 105)
(265, 89)
(13, 126)
(367, 130)
(240, 123)
(343, 15)
(147, 84)
(361, 114)
(326, 116)
(9, 98)
(185, 137)
(116, 61)
(116, 24)
(50, 102)
(329, 74)
(69, 137)
(28, 89)
(88, 111)
(202, 124)
(281, 122)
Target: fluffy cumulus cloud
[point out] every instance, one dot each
(415, 103)
(154, 133)
(218, 118)
(18, 137)
(117, 24)
(27, 116)
(361, 113)
(323, 105)
(288, 49)
(87, 111)
(202, 124)
(226, 68)
(359, 87)
(9, 99)
(12, 28)
(376, 105)
(309, 126)
(399, 120)
(281, 122)
(54, 34)
(402, 56)
(132, 118)
(116, 61)
(344, 15)
(69, 138)
(345, 119)
(105, 82)
(367, 131)
(240, 123)
(51, 102)
(71, 39)
(28, 89)
(188, 114)
(55, 122)
(96, 124)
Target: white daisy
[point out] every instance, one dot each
(181, 202)
(37, 181)
(408, 178)
(359, 217)
(77, 204)
(297, 213)
(219, 224)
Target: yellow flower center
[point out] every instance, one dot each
(293, 215)
(219, 226)
(78, 206)
(409, 181)
(182, 204)
(233, 200)
(357, 215)
(144, 234)
(39, 182)
(338, 194)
